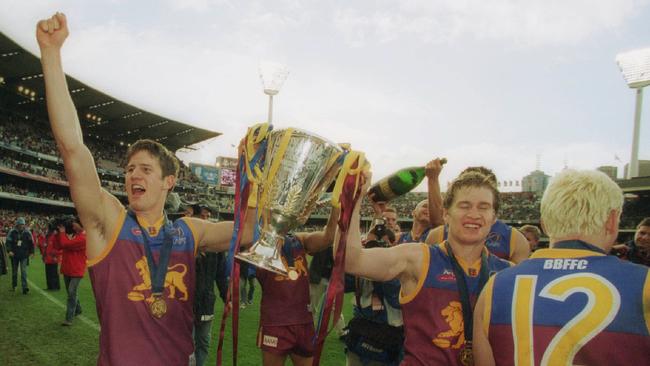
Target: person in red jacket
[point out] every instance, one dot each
(51, 257)
(73, 266)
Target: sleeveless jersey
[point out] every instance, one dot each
(120, 278)
(407, 238)
(433, 318)
(571, 306)
(499, 240)
(286, 302)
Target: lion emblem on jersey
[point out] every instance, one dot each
(298, 266)
(453, 314)
(173, 282)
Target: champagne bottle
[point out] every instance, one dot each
(398, 183)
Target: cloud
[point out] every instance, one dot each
(531, 22)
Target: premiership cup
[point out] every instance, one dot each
(299, 167)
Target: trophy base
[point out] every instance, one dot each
(274, 265)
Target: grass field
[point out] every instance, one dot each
(31, 331)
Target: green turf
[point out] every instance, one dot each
(31, 331)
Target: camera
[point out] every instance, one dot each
(65, 221)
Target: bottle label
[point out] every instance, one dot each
(386, 191)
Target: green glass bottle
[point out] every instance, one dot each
(398, 183)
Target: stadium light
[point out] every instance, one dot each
(635, 66)
(273, 76)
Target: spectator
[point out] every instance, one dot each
(21, 248)
(73, 265)
(204, 297)
(320, 271)
(246, 283)
(637, 250)
(52, 257)
(532, 234)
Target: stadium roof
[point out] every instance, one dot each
(100, 114)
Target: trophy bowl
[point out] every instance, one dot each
(299, 167)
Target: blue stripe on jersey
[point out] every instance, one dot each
(627, 278)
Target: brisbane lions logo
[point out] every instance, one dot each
(493, 239)
(173, 282)
(453, 314)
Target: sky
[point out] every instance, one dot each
(511, 85)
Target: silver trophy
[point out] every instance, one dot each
(298, 169)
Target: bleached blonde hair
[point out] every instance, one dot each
(578, 202)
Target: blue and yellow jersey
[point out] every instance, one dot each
(408, 238)
(432, 314)
(569, 306)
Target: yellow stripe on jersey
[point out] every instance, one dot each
(513, 244)
(487, 304)
(193, 230)
(564, 253)
(403, 299)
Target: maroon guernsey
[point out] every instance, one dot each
(120, 277)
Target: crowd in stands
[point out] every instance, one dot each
(31, 168)
(33, 136)
(35, 221)
(32, 192)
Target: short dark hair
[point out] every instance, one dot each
(644, 222)
(168, 162)
(472, 179)
(531, 229)
(390, 209)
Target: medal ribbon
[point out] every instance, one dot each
(463, 292)
(157, 271)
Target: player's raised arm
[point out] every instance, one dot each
(92, 203)
(381, 264)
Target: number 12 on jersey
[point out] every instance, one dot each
(603, 303)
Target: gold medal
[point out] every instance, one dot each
(158, 307)
(293, 275)
(466, 356)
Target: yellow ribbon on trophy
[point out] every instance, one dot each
(346, 170)
(255, 135)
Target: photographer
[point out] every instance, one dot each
(20, 247)
(52, 256)
(73, 265)
(375, 334)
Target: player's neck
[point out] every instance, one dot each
(468, 252)
(149, 217)
(417, 230)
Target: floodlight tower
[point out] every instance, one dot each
(273, 76)
(635, 66)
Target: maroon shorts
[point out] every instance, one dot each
(287, 339)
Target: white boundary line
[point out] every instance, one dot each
(58, 303)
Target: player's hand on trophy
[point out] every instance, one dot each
(52, 32)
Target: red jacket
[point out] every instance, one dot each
(50, 251)
(74, 254)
